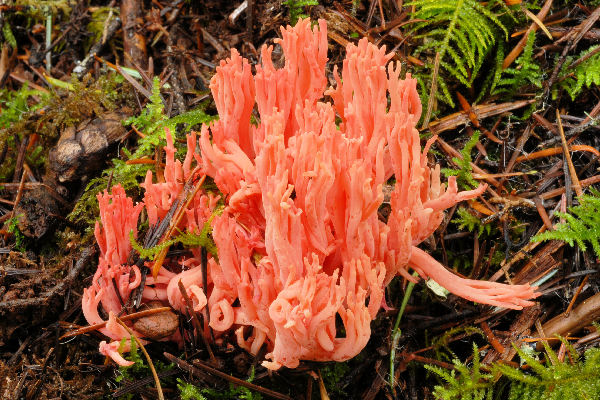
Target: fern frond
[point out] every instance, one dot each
(527, 73)
(585, 73)
(464, 171)
(581, 226)
(463, 33)
(149, 121)
(492, 79)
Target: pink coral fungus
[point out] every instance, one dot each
(299, 239)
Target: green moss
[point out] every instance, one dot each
(297, 8)
(12, 226)
(546, 378)
(38, 8)
(16, 104)
(18, 119)
(332, 375)
(233, 392)
(465, 220)
(188, 391)
(464, 382)
(97, 22)
(86, 98)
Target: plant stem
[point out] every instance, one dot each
(396, 332)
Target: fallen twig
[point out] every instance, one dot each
(568, 323)
(557, 192)
(481, 111)
(567, 155)
(576, 295)
(556, 150)
(433, 90)
(101, 325)
(128, 387)
(573, 38)
(187, 197)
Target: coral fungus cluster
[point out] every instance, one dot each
(299, 239)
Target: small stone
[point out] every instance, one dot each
(157, 326)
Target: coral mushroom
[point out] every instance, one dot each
(299, 240)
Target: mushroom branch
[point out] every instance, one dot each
(298, 240)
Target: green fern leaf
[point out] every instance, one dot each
(527, 72)
(581, 226)
(464, 32)
(586, 73)
(464, 172)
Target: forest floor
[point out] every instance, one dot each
(510, 87)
